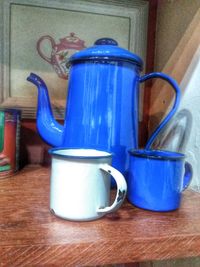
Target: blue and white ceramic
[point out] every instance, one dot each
(80, 184)
(102, 102)
(157, 178)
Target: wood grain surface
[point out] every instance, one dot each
(31, 236)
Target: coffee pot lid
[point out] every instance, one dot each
(107, 49)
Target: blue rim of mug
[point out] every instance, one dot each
(102, 153)
(157, 154)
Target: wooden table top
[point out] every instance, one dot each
(31, 236)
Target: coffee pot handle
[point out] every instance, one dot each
(175, 86)
(187, 175)
(121, 189)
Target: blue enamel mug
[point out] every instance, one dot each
(157, 178)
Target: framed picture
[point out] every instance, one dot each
(40, 35)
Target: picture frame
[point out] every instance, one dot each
(26, 22)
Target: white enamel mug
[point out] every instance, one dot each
(80, 184)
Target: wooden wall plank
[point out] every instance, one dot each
(161, 94)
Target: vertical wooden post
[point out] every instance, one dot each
(149, 68)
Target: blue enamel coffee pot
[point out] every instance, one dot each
(102, 102)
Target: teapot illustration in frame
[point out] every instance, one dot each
(60, 52)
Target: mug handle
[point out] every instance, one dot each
(175, 86)
(187, 176)
(121, 188)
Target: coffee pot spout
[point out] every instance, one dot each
(49, 129)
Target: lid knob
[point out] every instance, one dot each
(106, 41)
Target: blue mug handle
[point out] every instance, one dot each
(175, 86)
(187, 176)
